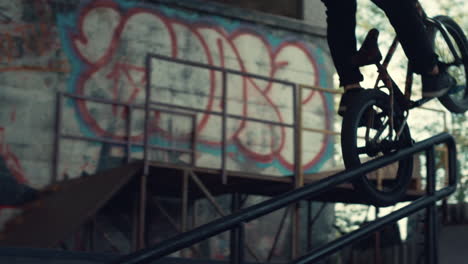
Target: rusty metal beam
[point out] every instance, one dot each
(171, 221)
(278, 233)
(184, 207)
(142, 213)
(217, 207)
(107, 238)
(207, 193)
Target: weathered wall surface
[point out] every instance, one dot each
(97, 48)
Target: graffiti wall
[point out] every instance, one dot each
(98, 49)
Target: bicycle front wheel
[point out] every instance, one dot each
(367, 133)
(455, 60)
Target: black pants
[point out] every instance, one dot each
(404, 17)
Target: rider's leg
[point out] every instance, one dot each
(407, 22)
(411, 32)
(341, 36)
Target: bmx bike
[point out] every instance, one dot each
(376, 123)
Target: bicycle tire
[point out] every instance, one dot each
(456, 100)
(351, 131)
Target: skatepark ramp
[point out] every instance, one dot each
(65, 207)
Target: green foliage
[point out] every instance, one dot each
(370, 16)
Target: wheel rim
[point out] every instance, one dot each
(375, 137)
(456, 69)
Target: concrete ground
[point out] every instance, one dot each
(453, 241)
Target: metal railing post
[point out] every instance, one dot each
(147, 113)
(193, 154)
(299, 177)
(128, 132)
(140, 243)
(57, 135)
(431, 210)
(237, 234)
(224, 127)
(297, 101)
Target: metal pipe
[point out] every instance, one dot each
(166, 214)
(144, 176)
(184, 209)
(323, 131)
(377, 245)
(207, 193)
(109, 240)
(171, 221)
(278, 233)
(321, 89)
(349, 238)
(135, 222)
(216, 68)
(236, 239)
(129, 133)
(193, 156)
(224, 129)
(430, 234)
(122, 142)
(216, 205)
(309, 225)
(295, 230)
(187, 108)
(119, 103)
(58, 128)
(297, 115)
(299, 176)
(142, 212)
(148, 70)
(308, 192)
(185, 189)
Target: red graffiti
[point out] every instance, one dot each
(20, 41)
(115, 69)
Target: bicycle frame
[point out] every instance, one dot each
(396, 94)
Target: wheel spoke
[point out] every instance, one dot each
(381, 129)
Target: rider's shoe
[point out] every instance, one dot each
(347, 98)
(437, 85)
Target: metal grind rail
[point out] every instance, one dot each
(236, 220)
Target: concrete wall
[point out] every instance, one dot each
(97, 48)
(314, 13)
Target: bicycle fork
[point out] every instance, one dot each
(388, 83)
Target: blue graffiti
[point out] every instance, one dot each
(68, 26)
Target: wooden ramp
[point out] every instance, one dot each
(64, 208)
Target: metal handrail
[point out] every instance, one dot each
(235, 220)
(224, 113)
(123, 142)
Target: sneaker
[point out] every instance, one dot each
(437, 85)
(347, 98)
